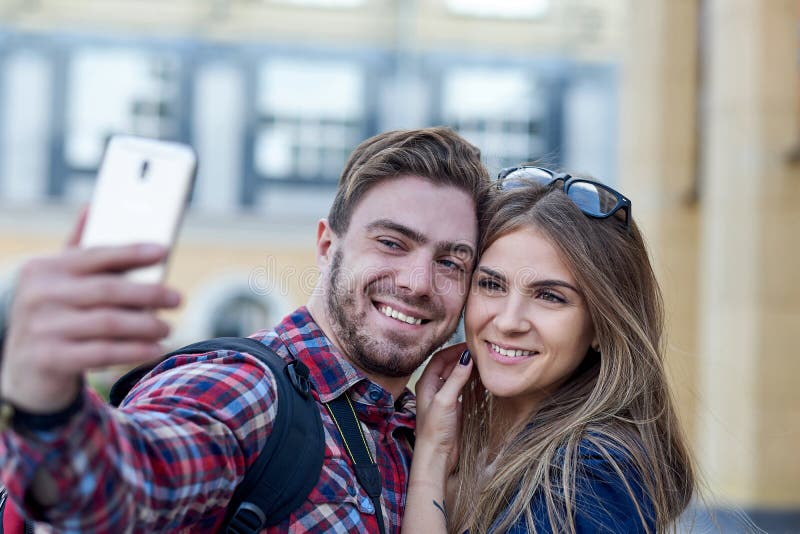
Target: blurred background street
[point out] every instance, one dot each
(690, 107)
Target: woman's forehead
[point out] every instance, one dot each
(526, 251)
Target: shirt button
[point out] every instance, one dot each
(374, 394)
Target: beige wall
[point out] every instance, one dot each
(750, 307)
(658, 145)
(729, 262)
(587, 29)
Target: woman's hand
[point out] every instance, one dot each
(436, 448)
(438, 403)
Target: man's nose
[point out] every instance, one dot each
(416, 277)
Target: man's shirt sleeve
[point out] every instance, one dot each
(170, 457)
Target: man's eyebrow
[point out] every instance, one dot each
(389, 224)
(420, 238)
(553, 282)
(459, 249)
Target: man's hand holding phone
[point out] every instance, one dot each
(75, 311)
(95, 303)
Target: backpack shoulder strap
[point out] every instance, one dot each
(288, 467)
(367, 472)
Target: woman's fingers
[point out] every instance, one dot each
(437, 372)
(456, 379)
(438, 404)
(450, 390)
(443, 361)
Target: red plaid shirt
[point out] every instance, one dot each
(170, 458)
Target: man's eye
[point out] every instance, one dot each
(388, 243)
(450, 264)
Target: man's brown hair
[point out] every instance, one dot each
(438, 154)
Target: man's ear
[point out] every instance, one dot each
(326, 241)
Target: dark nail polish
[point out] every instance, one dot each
(465, 357)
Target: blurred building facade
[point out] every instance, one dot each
(274, 95)
(689, 106)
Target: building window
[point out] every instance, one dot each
(113, 91)
(511, 9)
(311, 115)
(502, 111)
(239, 315)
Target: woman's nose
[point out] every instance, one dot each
(513, 317)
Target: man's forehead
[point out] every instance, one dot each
(415, 194)
(439, 212)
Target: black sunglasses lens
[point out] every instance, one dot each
(592, 199)
(524, 176)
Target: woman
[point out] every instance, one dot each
(566, 423)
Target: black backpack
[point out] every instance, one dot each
(288, 467)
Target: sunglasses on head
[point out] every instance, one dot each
(593, 198)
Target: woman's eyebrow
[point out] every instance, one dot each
(550, 282)
(491, 272)
(554, 283)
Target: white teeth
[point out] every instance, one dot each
(394, 314)
(510, 353)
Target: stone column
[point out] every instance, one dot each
(750, 247)
(658, 166)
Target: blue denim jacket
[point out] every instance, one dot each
(602, 504)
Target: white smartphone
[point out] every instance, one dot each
(140, 196)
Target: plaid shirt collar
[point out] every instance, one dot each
(329, 372)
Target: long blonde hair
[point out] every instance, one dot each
(617, 402)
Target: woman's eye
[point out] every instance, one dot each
(550, 296)
(489, 284)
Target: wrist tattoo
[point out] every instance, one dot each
(441, 508)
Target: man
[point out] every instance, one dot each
(395, 254)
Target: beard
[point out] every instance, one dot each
(392, 354)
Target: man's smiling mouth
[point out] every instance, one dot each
(388, 311)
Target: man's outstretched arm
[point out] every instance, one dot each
(169, 458)
(73, 312)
